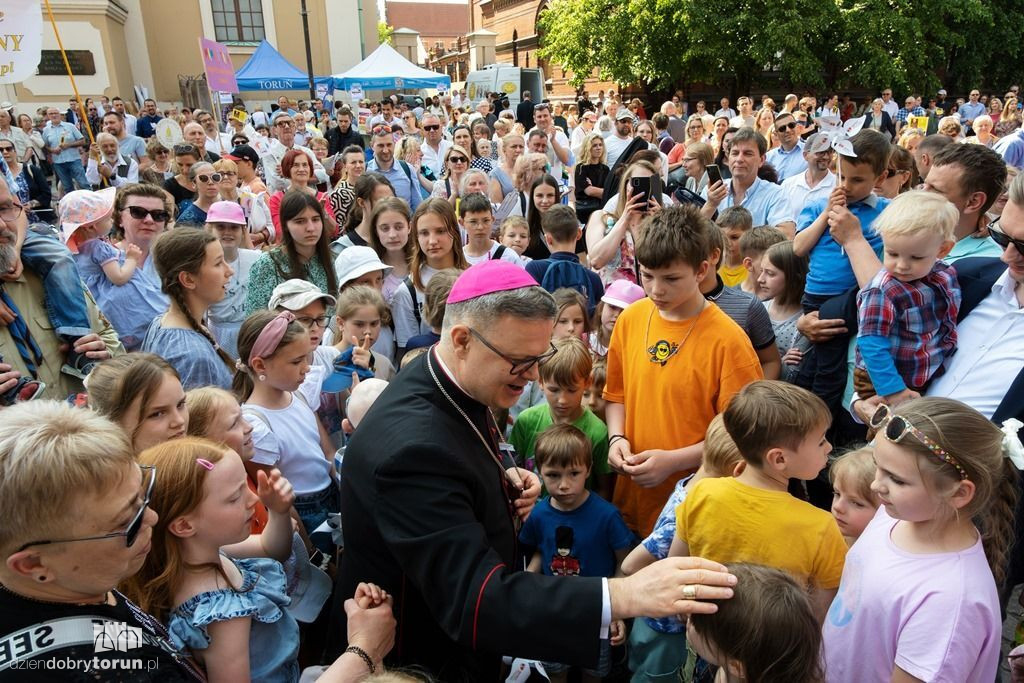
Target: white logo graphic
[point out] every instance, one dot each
(115, 636)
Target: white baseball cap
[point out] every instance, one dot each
(295, 294)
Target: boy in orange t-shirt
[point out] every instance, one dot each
(674, 362)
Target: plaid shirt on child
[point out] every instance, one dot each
(918, 318)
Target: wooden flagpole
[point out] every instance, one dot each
(67, 65)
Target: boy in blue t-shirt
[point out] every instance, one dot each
(575, 532)
(830, 274)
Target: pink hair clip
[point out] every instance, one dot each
(203, 462)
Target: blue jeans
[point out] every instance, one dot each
(71, 173)
(65, 294)
(313, 509)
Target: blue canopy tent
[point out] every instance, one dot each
(385, 69)
(268, 70)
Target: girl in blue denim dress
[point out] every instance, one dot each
(220, 590)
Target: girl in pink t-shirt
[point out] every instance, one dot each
(918, 597)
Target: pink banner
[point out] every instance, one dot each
(220, 72)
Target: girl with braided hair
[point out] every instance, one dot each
(193, 274)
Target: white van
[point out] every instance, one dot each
(506, 79)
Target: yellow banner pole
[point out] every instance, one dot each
(67, 65)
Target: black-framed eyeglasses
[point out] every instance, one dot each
(896, 427)
(520, 366)
(309, 322)
(131, 532)
(9, 214)
(1002, 239)
(139, 213)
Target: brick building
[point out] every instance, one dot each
(441, 25)
(515, 22)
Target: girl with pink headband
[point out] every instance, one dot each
(280, 391)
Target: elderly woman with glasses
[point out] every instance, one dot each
(77, 523)
(30, 184)
(207, 183)
(161, 157)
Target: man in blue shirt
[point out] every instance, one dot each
(788, 158)
(765, 201)
(63, 141)
(146, 125)
(971, 109)
(402, 177)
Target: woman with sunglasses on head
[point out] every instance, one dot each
(207, 183)
(77, 524)
(181, 187)
(921, 582)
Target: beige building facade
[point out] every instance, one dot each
(119, 44)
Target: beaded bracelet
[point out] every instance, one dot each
(363, 656)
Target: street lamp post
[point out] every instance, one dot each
(309, 52)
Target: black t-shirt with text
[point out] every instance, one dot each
(45, 642)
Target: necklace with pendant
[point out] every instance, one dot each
(663, 349)
(512, 488)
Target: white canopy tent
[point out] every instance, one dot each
(385, 69)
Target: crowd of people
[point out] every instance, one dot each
(346, 393)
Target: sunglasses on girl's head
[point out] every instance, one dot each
(1002, 239)
(215, 177)
(139, 214)
(896, 428)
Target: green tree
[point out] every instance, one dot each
(904, 44)
(661, 42)
(384, 32)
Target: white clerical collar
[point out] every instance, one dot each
(447, 371)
